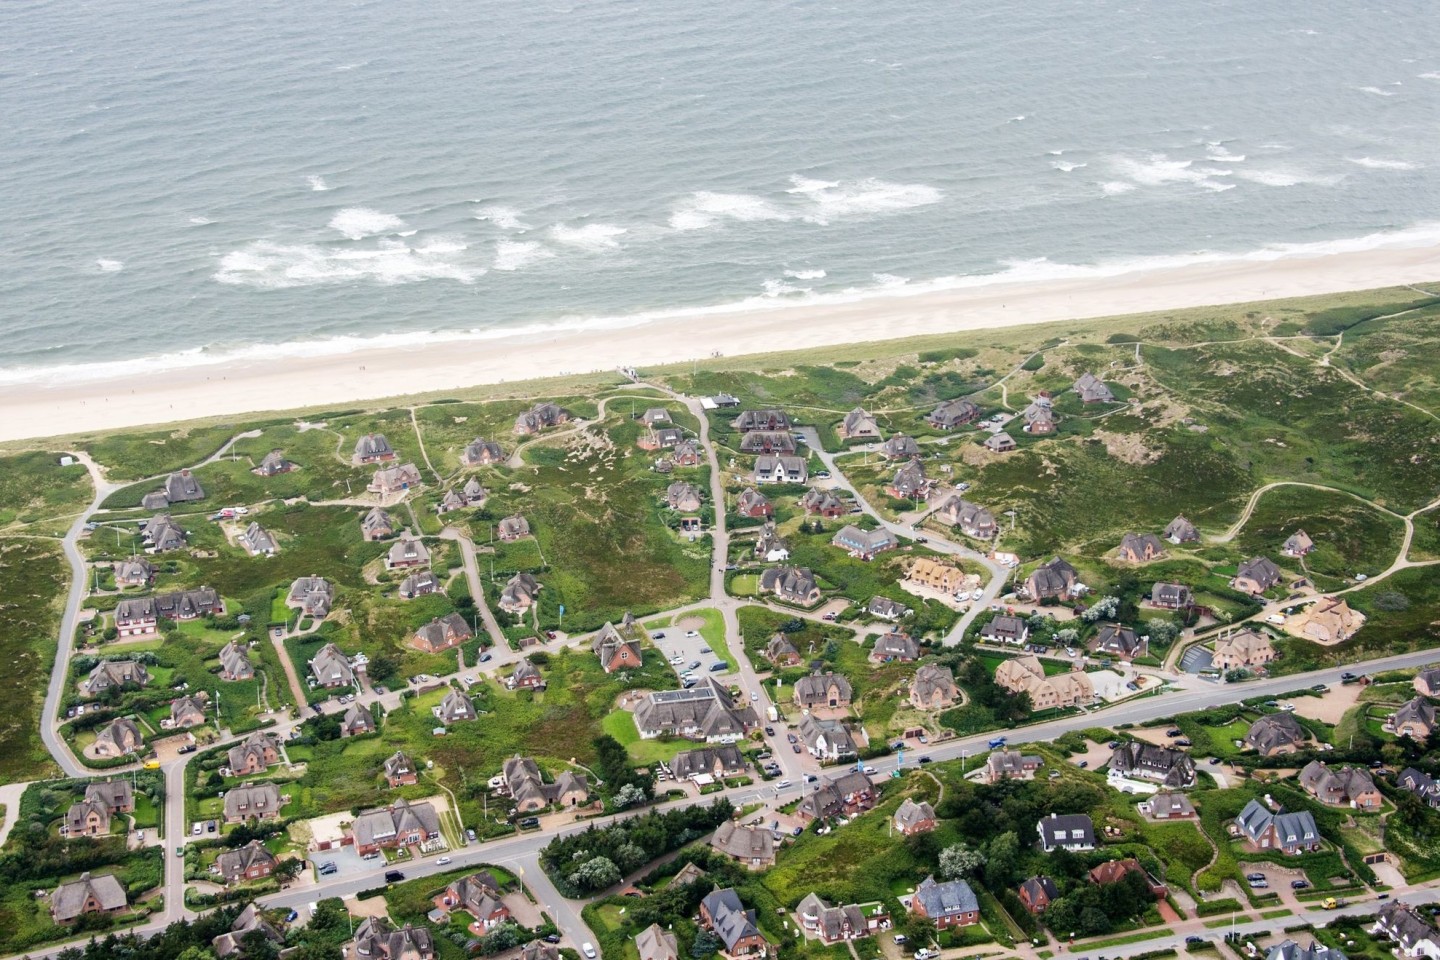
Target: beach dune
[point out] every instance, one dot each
(56, 407)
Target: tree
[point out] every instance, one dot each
(382, 667)
(596, 873)
(628, 795)
(1067, 636)
(1002, 861)
(288, 869)
(959, 860)
(1162, 631)
(706, 945)
(1100, 609)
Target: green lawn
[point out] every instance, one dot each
(620, 724)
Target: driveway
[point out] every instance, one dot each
(347, 860)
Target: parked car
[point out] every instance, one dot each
(1194, 939)
(588, 949)
(717, 667)
(529, 823)
(1083, 764)
(769, 731)
(691, 634)
(900, 938)
(658, 636)
(1299, 884)
(486, 658)
(694, 664)
(795, 747)
(1173, 732)
(393, 876)
(470, 834)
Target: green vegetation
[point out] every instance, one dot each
(33, 582)
(34, 488)
(1350, 536)
(36, 858)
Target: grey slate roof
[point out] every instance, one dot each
(1148, 761)
(948, 899)
(732, 921)
(1290, 950)
(1260, 569)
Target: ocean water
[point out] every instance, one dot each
(188, 182)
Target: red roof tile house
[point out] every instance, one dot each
(753, 503)
(1116, 870)
(619, 647)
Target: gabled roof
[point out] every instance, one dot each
(1260, 569)
(1275, 730)
(744, 843)
(1417, 711)
(1290, 950)
(234, 863)
(911, 813)
(1181, 530)
(731, 920)
(69, 899)
(948, 899)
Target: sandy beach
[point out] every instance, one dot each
(59, 408)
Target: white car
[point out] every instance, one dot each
(783, 785)
(754, 695)
(242, 511)
(691, 634)
(978, 594)
(677, 659)
(442, 861)
(588, 949)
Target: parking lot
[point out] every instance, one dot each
(676, 643)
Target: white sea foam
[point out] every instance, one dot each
(1065, 166)
(1218, 154)
(779, 288)
(518, 254)
(317, 184)
(109, 266)
(1216, 186)
(1282, 177)
(832, 200)
(706, 208)
(1116, 187)
(889, 281)
(1420, 235)
(816, 274)
(593, 237)
(1432, 75)
(1376, 163)
(360, 222)
(277, 266)
(1376, 91)
(201, 221)
(1158, 170)
(506, 218)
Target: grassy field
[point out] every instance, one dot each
(554, 726)
(34, 487)
(1401, 613)
(1350, 536)
(33, 581)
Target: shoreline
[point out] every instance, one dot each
(253, 386)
